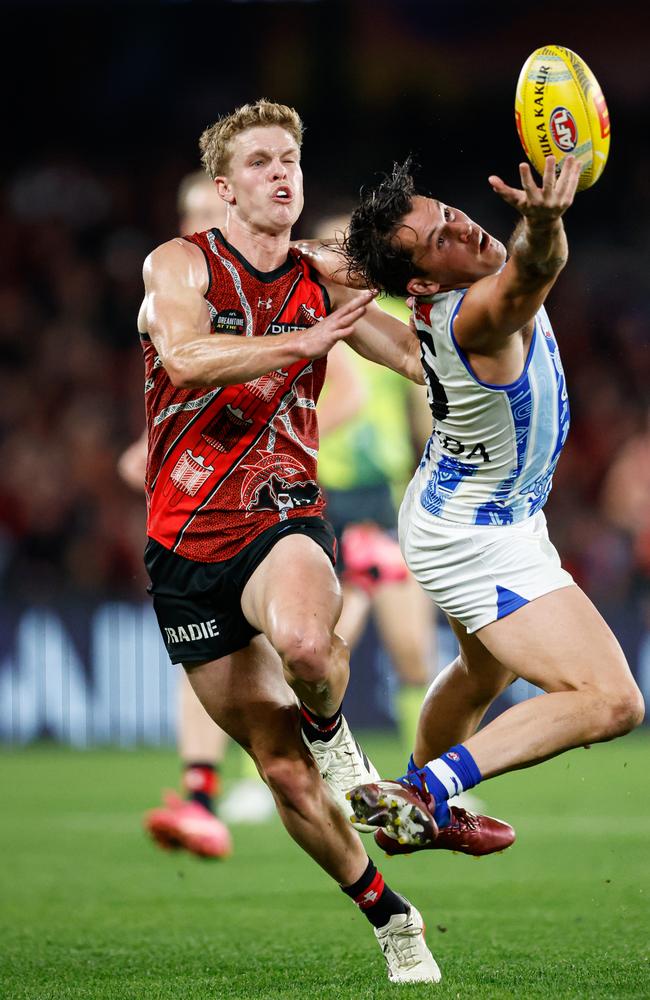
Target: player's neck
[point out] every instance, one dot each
(264, 250)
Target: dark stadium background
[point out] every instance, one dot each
(102, 109)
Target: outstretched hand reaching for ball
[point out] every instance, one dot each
(545, 203)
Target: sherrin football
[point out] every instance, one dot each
(560, 109)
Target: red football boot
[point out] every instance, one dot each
(182, 823)
(403, 810)
(468, 833)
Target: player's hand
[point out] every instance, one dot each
(320, 339)
(542, 204)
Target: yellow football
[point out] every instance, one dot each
(560, 109)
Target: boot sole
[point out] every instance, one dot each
(397, 814)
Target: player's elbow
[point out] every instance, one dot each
(416, 374)
(412, 369)
(183, 376)
(183, 370)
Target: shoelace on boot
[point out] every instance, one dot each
(465, 820)
(405, 945)
(345, 765)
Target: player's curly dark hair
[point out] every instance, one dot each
(371, 248)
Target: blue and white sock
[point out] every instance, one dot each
(449, 775)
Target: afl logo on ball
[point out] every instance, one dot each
(563, 130)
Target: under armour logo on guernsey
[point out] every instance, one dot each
(265, 303)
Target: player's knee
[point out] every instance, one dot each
(307, 652)
(628, 710)
(621, 711)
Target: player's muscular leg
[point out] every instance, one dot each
(294, 598)
(459, 697)
(247, 696)
(560, 643)
(404, 617)
(354, 614)
(198, 737)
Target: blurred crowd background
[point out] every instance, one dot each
(105, 105)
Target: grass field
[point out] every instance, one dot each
(90, 909)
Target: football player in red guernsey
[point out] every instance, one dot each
(235, 328)
(189, 821)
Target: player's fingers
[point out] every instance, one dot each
(565, 171)
(497, 184)
(351, 316)
(548, 178)
(323, 344)
(333, 337)
(342, 313)
(574, 179)
(528, 181)
(569, 176)
(361, 299)
(512, 196)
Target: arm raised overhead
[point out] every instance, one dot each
(501, 304)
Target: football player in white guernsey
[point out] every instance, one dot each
(472, 528)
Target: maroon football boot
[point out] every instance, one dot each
(467, 833)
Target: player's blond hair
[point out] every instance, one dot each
(215, 141)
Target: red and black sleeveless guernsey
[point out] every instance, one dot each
(226, 463)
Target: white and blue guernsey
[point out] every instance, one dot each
(494, 448)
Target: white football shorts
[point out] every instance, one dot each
(478, 573)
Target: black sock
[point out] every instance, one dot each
(317, 727)
(374, 898)
(201, 783)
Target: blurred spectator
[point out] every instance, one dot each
(626, 501)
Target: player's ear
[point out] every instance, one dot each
(422, 286)
(225, 190)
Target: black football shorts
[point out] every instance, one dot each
(198, 604)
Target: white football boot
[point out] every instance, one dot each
(405, 950)
(342, 765)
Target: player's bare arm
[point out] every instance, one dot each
(499, 305)
(177, 319)
(328, 259)
(382, 338)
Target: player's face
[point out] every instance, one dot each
(450, 249)
(264, 182)
(204, 208)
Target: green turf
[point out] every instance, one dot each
(90, 909)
